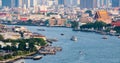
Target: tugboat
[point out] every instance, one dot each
(74, 38)
(37, 57)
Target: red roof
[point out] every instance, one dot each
(116, 23)
(23, 19)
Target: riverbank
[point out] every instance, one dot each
(15, 58)
(100, 32)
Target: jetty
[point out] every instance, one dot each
(49, 50)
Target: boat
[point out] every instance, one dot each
(41, 29)
(37, 57)
(118, 36)
(105, 37)
(62, 34)
(73, 38)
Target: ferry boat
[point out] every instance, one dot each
(37, 57)
(73, 38)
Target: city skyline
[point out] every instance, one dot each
(67, 3)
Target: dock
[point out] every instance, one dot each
(49, 50)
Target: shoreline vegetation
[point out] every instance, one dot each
(25, 48)
(98, 27)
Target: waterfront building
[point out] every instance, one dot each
(102, 15)
(57, 22)
(116, 23)
(11, 35)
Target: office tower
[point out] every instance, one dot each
(11, 3)
(90, 4)
(115, 3)
(20, 3)
(78, 2)
(103, 3)
(24, 3)
(33, 3)
(70, 3)
(60, 2)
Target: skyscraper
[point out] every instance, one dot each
(11, 3)
(115, 3)
(103, 3)
(90, 4)
(24, 3)
(61, 2)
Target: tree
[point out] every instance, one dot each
(31, 46)
(8, 56)
(1, 38)
(117, 29)
(8, 48)
(89, 12)
(1, 58)
(99, 25)
(75, 24)
(0, 47)
(22, 46)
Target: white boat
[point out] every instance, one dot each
(73, 38)
(105, 37)
(118, 36)
(37, 57)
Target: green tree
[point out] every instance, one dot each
(8, 48)
(117, 29)
(1, 38)
(1, 58)
(22, 46)
(8, 56)
(99, 25)
(89, 12)
(75, 24)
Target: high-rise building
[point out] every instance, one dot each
(90, 4)
(103, 3)
(24, 3)
(60, 2)
(11, 3)
(115, 3)
(33, 3)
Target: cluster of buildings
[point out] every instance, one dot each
(59, 12)
(17, 32)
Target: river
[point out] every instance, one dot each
(90, 47)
